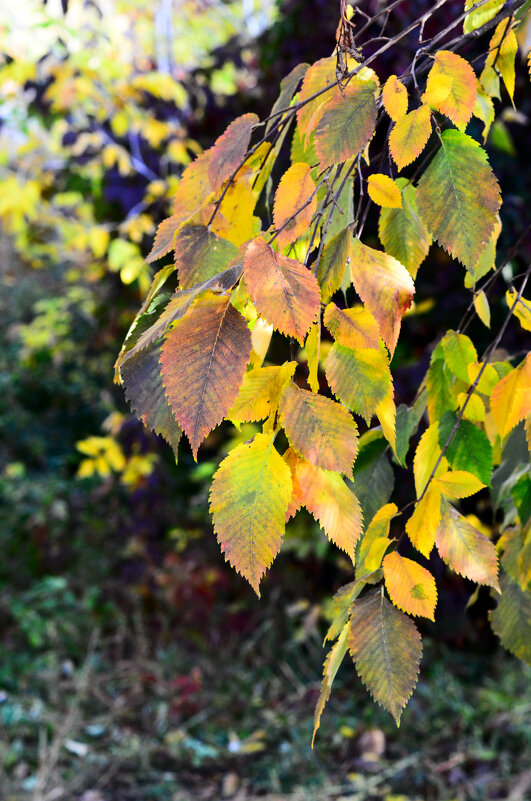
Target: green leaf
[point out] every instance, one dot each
(438, 383)
(347, 124)
(386, 648)
(373, 477)
(458, 197)
(402, 232)
(359, 378)
(333, 264)
(469, 449)
(511, 620)
(200, 254)
(459, 352)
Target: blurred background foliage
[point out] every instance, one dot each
(136, 665)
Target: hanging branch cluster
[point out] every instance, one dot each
(198, 355)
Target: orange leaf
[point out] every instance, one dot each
(394, 98)
(347, 123)
(408, 138)
(384, 285)
(319, 429)
(194, 187)
(411, 587)
(294, 190)
(454, 75)
(203, 363)
(284, 291)
(230, 148)
(333, 504)
(319, 75)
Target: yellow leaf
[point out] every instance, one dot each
(511, 397)
(465, 549)
(458, 484)
(500, 60)
(292, 460)
(249, 498)
(456, 100)
(260, 391)
(353, 328)
(426, 455)
(294, 191)
(409, 136)
(475, 408)
(229, 149)
(375, 541)
(411, 587)
(386, 414)
(360, 379)
(347, 123)
(383, 191)
(522, 310)
(481, 305)
(422, 525)
(394, 98)
(332, 504)
(312, 350)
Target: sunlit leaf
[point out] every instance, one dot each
(375, 541)
(500, 60)
(333, 263)
(200, 254)
(260, 392)
(457, 100)
(409, 136)
(353, 328)
(522, 309)
(394, 98)
(347, 123)
(411, 587)
(469, 448)
(511, 397)
(421, 527)
(480, 16)
(426, 456)
(384, 191)
(465, 549)
(361, 379)
(229, 149)
(458, 484)
(296, 187)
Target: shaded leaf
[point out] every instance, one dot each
(359, 378)
(347, 123)
(409, 136)
(229, 149)
(386, 648)
(459, 352)
(331, 665)
(203, 363)
(465, 549)
(410, 587)
(312, 350)
(288, 87)
(511, 620)
(294, 190)
(402, 232)
(385, 287)
(284, 292)
(249, 497)
(458, 197)
(319, 429)
(373, 478)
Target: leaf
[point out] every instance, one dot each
(500, 60)
(459, 352)
(249, 497)
(386, 414)
(511, 398)
(353, 328)
(165, 237)
(373, 478)
(292, 460)
(385, 287)
(194, 187)
(284, 292)
(332, 504)
(410, 587)
(384, 191)
(458, 484)
(319, 429)
(145, 392)
(409, 136)
(229, 149)
(480, 16)
(402, 232)
(200, 254)
(295, 189)
(421, 527)
(484, 110)
(469, 449)
(203, 363)
(458, 197)
(426, 455)
(288, 86)
(333, 262)
(439, 385)
(260, 392)
(318, 76)
(386, 648)
(511, 620)
(312, 350)
(487, 258)
(465, 549)
(360, 379)
(394, 98)
(522, 310)
(459, 79)
(481, 305)
(375, 541)
(347, 123)
(332, 663)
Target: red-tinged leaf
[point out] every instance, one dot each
(144, 390)
(332, 664)
(203, 363)
(347, 123)
(200, 254)
(194, 187)
(165, 237)
(451, 87)
(353, 328)
(465, 549)
(229, 149)
(458, 197)
(411, 587)
(394, 98)
(319, 429)
(385, 287)
(284, 291)
(409, 136)
(318, 76)
(361, 379)
(295, 189)
(332, 504)
(386, 648)
(249, 497)
(334, 258)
